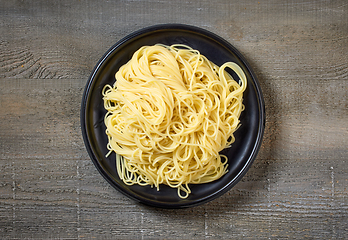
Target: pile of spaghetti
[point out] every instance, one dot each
(169, 114)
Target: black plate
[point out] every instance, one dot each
(248, 136)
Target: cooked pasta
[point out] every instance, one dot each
(169, 114)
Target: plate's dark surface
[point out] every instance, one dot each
(248, 136)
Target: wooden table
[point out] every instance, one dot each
(297, 186)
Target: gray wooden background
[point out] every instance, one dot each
(297, 186)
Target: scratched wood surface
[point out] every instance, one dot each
(297, 186)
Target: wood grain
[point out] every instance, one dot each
(297, 186)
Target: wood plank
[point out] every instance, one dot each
(40, 119)
(273, 194)
(312, 121)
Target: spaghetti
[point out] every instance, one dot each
(169, 114)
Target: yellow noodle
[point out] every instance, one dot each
(170, 112)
